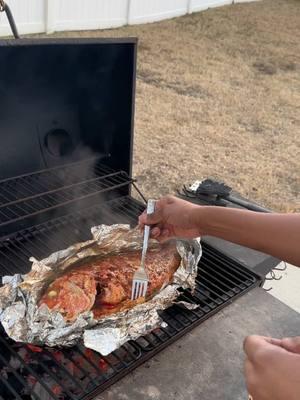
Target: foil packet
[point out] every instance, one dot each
(25, 321)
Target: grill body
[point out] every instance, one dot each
(79, 373)
(66, 128)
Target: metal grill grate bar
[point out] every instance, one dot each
(229, 264)
(30, 195)
(57, 171)
(19, 378)
(9, 388)
(61, 368)
(35, 206)
(218, 283)
(223, 275)
(55, 378)
(41, 240)
(84, 373)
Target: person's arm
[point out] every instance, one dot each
(274, 234)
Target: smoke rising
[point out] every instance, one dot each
(60, 104)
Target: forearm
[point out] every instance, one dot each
(274, 234)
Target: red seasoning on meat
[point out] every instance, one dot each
(104, 286)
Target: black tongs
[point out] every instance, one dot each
(216, 192)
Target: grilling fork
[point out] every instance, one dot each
(140, 277)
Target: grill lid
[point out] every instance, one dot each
(65, 100)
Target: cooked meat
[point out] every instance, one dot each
(104, 286)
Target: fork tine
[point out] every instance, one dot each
(133, 290)
(141, 289)
(145, 289)
(137, 290)
(140, 277)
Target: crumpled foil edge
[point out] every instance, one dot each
(24, 321)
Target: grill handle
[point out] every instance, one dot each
(5, 8)
(246, 204)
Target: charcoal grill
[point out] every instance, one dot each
(66, 126)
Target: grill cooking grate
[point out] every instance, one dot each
(53, 374)
(41, 240)
(33, 194)
(29, 372)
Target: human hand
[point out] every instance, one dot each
(173, 217)
(272, 368)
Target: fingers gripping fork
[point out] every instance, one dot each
(140, 277)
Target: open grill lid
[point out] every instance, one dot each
(65, 100)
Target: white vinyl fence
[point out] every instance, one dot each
(34, 16)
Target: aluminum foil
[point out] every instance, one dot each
(25, 321)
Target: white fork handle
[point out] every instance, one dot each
(150, 210)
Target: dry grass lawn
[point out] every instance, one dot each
(218, 95)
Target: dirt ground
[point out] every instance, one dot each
(218, 95)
